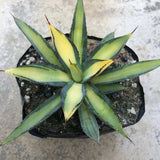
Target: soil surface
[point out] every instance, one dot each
(128, 103)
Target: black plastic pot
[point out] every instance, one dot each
(79, 134)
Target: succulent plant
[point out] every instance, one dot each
(83, 79)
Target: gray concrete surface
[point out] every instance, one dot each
(102, 17)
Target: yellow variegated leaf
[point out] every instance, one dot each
(41, 73)
(66, 50)
(127, 71)
(109, 49)
(72, 95)
(38, 42)
(79, 31)
(101, 106)
(95, 67)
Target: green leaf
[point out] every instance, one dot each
(107, 38)
(126, 72)
(38, 42)
(109, 49)
(72, 96)
(101, 107)
(110, 88)
(88, 122)
(95, 67)
(75, 72)
(66, 51)
(41, 73)
(40, 114)
(79, 31)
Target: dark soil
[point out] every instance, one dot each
(128, 104)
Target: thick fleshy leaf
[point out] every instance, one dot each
(107, 38)
(110, 88)
(40, 114)
(126, 72)
(66, 51)
(109, 49)
(75, 72)
(95, 67)
(100, 106)
(88, 122)
(72, 96)
(79, 30)
(41, 73)
(38, 42)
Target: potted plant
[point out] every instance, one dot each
(80, 81)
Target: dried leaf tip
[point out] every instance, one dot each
(47, 20)
(116, 58)
(12, 15)
(134, 30)
(130, 140)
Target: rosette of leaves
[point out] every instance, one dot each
(84, 79)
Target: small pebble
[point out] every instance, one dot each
(124, 121)
(24, 61)
(134, 85)
(27, 55)
(36, 86)
(28, 89)
(132, 110)
(29, 111)
(27, 98)
(32, 59)
(28, 62)
(22, 84)
(132, 61)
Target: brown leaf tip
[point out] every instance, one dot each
(47, 20)
(130, 140)
(134, 30)
(116, 58)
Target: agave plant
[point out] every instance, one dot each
(84, 79)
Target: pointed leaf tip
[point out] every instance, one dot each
(78, 32)
(134, 30)
(38, 42)
(12, 15)
(65, 52)
(130, 140)
(96, 67)
(47, 20)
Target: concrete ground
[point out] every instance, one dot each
(103, 17)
